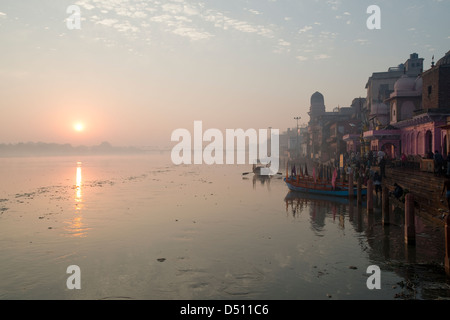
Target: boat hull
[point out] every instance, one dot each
(326, 191)
(295, 196)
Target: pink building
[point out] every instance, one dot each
(387, 140)
(424, 134)
(417, 112)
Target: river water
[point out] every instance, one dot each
(139, 227)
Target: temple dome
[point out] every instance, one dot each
(405, 83)
(317, 105)
(445, 61)
(317, 99)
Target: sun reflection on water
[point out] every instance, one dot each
(76, 227)
(78, 185)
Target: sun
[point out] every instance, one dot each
(78, 127)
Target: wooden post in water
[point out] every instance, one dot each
(447, 244)
(370, 196)
(350, 211)
(350, 185)
(359, 191)
(385, 204)
(410, 226)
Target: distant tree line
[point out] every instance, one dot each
(54, 149)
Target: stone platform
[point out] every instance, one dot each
(426, 188)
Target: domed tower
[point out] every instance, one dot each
(317, 106)
(405, 99)
(444, 61)
(404, 84)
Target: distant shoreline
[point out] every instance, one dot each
(26, 149)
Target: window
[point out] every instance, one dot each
(430, 90)
(384, 92)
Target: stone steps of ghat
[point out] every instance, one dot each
(415, 180)
(425, 186)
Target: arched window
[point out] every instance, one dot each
(389, 149)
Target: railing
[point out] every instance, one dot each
(412, 162)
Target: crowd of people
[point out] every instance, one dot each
(380, 159)
(363, 165)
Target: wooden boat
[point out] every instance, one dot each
(257, 168)
(293, 196)
(310, 185)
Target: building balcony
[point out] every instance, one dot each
(382, 134)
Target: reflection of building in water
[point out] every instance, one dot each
(382, 243)
(319, 207)
(264, 180)
(76, 226)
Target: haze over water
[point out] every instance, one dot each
(140, 227)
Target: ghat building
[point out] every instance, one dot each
(406, 111)
(323, 141)
(411, 118)
(382, 84)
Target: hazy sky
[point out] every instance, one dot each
(137, 70)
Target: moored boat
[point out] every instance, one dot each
(293, 196)
(320, 185)
(257, 168)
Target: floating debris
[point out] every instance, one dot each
(161, 259)
(26, 195)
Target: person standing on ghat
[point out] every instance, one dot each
(438, 162)
(377, 182)
(382, 165)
